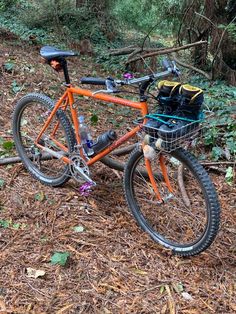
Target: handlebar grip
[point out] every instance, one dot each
(92, 81)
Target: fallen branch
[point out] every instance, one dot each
(191, 67)
(124, 150)
(16, 159)
(215, 169)
(135, 52)
(13, 160)
(180, 180)
(10, 160)
(218, 163)
(121, 51)
(126, 50)
(167, 51)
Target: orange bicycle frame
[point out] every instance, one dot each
(68, 99)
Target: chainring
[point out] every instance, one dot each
(78, 168)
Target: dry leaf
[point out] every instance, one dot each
(2, 306)
(93, 204)
(140, 271)
(233, 306)
(34, 273)
(171, 302)
(164, 309)
(178, 287)
(65, 309)
(187, 296)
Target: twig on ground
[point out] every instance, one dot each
(124, 150)
(16, 159)
(218, 163)
(182, 187)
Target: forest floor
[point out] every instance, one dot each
(113, 266)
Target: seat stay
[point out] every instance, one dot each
(46, 124)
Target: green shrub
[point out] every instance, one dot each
(6, 4)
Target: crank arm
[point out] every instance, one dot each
(84, 175)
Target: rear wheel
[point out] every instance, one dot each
(29, 116)
(188, 219)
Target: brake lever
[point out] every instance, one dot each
(111, 88)
(104, 91)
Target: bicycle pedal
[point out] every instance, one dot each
(86, 188)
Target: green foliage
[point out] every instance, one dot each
(110, 64)
(78, 229)
(217, 152)
(94, 118)
(5, 4)
(229, 176)
(40, 196)
(143, 15)
(9, 66)
(7, 223)
(232, 31)
(60, 258)
(2, 183)
(15, 87)
(59, 21)
(51, 21)
(12, 19)
(220, 131)
(8, 145)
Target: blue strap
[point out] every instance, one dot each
(158, 119)
(156, 116)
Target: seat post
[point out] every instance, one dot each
(65, 70)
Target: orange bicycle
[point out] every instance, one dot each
(168, 192)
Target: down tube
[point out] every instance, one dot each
(116, 144)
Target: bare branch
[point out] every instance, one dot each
(16, 159)
(124, 150)
(182, 186)
(167, 51)
(218, 163)
(191, 67)
(206, 18)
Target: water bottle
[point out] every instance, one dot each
(85, 137)
(104, 140)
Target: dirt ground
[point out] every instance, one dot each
(113, 266)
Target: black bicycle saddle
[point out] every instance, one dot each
(49, 52)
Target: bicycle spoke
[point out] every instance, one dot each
(30, 116)
(173, 219)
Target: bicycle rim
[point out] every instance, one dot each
(31, 119)
(183, 219)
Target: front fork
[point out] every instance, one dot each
(148, 150)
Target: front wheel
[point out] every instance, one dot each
(187, 220)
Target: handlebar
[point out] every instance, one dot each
(93, 81)
(111, 84)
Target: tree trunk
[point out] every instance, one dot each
(211, 23)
